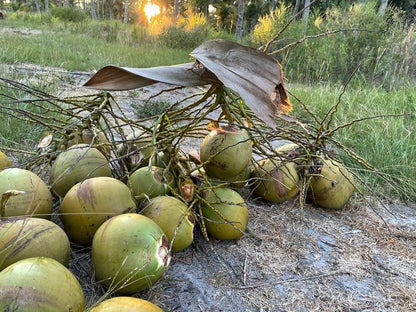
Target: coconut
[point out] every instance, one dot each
(226, 152)
(151, 182)
(130, 253)
(22, 238)
(136, 150)
(39, 284)
(91, 202)
(4, 161)
(275, 180)
(24, 194)
(225, 213)
(332, 188)
(175, 219)
(126, 304)
(76, 164)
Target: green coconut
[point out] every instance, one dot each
(90, 203)
(126, 304)
(39, 284)
(275, 180)
(23, 193)
(226, 152)
(175, 219)
(332, 188)
(77, 163)
(22, 238)
(151, 182)
(130, 253)
(136, 150)
(4, 161)
(225, 213)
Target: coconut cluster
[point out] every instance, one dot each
(134, 221)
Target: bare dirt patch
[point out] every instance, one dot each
(362, 258)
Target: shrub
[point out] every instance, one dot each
(68, 14)
(187, 32)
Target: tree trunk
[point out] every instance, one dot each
(46, 5)
(37, 6)
(126, 12)
(176, 5)
(240, 19)
(305, 15)
(272, 5)
(296, 8)
(383, 7)
(93, 14)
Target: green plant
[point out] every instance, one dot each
(151, 108)
(68, 14)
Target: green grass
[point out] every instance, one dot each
(388, 143)
(77, 51)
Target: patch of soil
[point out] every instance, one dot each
(362, 258)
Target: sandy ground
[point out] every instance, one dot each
(362, 258)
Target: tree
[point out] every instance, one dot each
(272, 5)
(383, 7)
(296, 8)
(93, 14)
(240, 19)
(126, 11)
(305, 15)
(176, 6)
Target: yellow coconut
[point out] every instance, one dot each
(332, 188)
(126, 304)
(130, 253)
(4, 161)
(226, 152)
(77, 163)
(175, 219)
(225, 213)
(39, 284)
(24, 194)
(90, 203)
(22, 238)
(275, 180)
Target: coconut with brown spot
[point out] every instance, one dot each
(225, 213)
(26, 237)
(90, 203)
(40, 284)
(77, 163)
(226, 152)
(174, 218)
(23, 193)
(332, 185)
(130, 253)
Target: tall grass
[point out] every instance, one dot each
(382, 48)
(387, 142)
(77, 51)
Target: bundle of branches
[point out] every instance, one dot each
(246, 94)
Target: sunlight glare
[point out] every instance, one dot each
(151, 10)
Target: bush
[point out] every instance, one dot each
(68, 14)
(187, 32)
